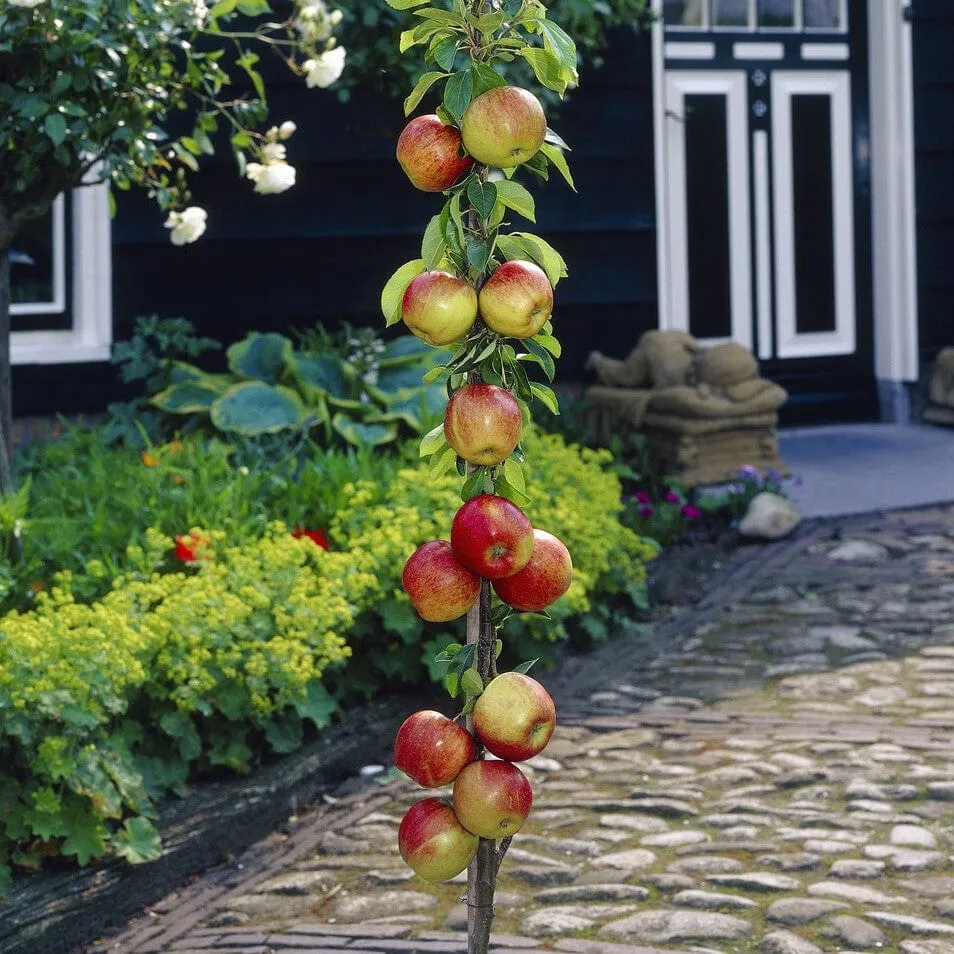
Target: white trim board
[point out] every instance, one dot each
(894, 252)
(91, 335)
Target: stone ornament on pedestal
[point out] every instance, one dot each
(940, 409)
(705, 411)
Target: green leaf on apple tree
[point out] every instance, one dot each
(545, 255)
(550, 343)
(469, 707)
(514, 474)
(485, 77)
(443, 17)
(547, 68)
(558, 42)
(441, 462)
(498, 648)
(505, 489)
(539, 165)
(452, 683)
(433, 441)
(395, 288)
(473, 485)
(546, 397)
(512, 7)
(541, 356)
(405, 4)
(525, 667)
(445, 53)
(555, 139)
(479, 251)
(471, 682)
(458, 93)
(423, 85)
(555, 155)
(432, 375)
(515, 196)
(482, 196)
(457, 217)
(408, 39)
(433, 244)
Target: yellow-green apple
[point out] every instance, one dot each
(491, 536)
(432, 749)
(544, 579)
(516, 300)
(514, 717)
(439, 307)
(504, 126)
(433, 841)
(440, 588)
(492, 799)
(482, 423)
(429, 152)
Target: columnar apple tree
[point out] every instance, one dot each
(482, 290)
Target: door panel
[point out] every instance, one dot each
(814, 221)
(708, 171)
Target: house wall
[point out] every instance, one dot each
(933, 41)
(323, 250)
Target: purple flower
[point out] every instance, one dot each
(646, 512)
(774, 475)
(799, 481)
(691, 513)
(643, 497)
(748, 472)
(672, 497)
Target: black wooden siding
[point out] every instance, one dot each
(933, 37)
(323, 250)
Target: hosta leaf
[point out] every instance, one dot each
(185, 399)
(253, 408)
(318, 375)
(359, 434)
(259, 357)
(407, 349)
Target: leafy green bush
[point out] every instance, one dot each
(125, 681)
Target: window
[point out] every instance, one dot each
(810, 15)
(60, 283)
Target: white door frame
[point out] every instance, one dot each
(894, 250)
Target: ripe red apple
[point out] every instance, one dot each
(504, 126)
(439, 307)
(491, 536)
(516, 300)
(482, 423)
(514, 717)
(492, 799)
(429, 152)
(432, 749)
(544, 579)
(433, 842)
(440, 588)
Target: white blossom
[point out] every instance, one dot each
(326, 69)
(187, 226)
(286, 130)
(273, 152)
(271, 178)
(28, 4)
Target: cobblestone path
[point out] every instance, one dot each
(780, 779)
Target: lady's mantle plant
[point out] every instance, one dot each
(90, 90)
(484, 291)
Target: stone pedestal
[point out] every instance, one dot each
(940, 409)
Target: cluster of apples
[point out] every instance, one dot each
(503, 127)
(514, 718)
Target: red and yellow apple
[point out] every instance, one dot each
(514, 717)
(504, 127)
(482, 423)
(517, 300)
(440, 588)
(429, 153)
(544, 579)
(432, 749)
(439, 307)
(492, 799)
(433, 842)
(491, 536)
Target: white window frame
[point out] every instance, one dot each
(91, 333)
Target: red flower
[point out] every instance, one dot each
(191, 547)
(691, 513)
(316, 536)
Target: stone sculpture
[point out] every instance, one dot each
(940, 409)
(705, 411)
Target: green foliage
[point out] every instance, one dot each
(130, 676)
(364, 400)
(368, 30)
